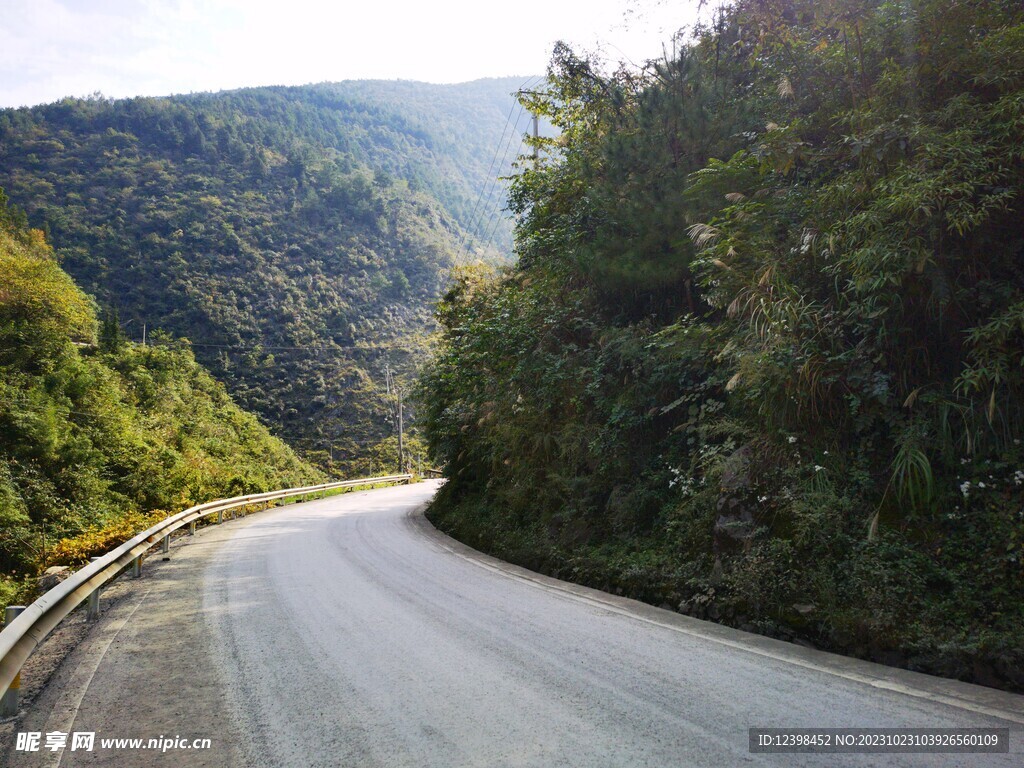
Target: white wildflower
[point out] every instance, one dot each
(792, 439)
(965, 487)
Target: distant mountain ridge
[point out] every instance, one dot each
(296, 235)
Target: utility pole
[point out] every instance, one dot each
(389, 382)
(401, 434)
(536, 135)
(143, 334)
(536, 129)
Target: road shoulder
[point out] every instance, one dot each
(140, 672)
(973, 698)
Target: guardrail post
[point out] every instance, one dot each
(9, 702)
(220, 517)
(192, 528)
(93, 612)
(166, 547)
(137, 567)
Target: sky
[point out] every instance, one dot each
(50, 49)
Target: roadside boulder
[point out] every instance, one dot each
(53, 576)
(734, 525)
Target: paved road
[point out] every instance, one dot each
(346, 632)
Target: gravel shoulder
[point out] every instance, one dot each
(139, 671)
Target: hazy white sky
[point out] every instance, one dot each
(55, 48)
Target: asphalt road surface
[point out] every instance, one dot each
(347, 632)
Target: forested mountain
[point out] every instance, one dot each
(97, 433)
(761, 358)
(296, 236)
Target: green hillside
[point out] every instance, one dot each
(296, 236)
(761, 358)
(96, 431)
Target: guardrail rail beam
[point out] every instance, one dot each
(9, 703)
(25, 629)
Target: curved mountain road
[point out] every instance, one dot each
(347, 632)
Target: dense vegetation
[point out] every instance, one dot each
(760, 359)
(97, 433)
(296, 236)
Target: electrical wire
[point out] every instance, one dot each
(489, 187)
(268, 347)
(476, 206)
(497, 219)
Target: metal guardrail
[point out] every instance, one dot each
(22, 635)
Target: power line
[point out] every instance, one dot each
(488, 189)
(178, 343)
(495, 215)
(495, 180)
(496, 210)
(476, 206)
(491, 184)
(519, 152)
(497, 220)
(270, 347)
(485, 194)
